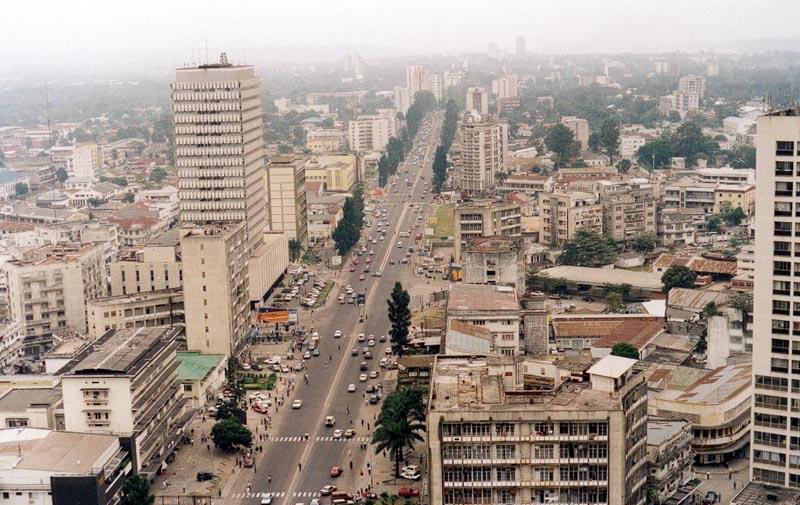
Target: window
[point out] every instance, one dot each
(780, 287)
(783, 229)
(12, 422)
(771, 402)
(780, 365)
(780, 327)
(783, 168)
(780, 307)
(780, 346)
(782, 249)
(784, 148)
(783, 209)
(783, 188)
(781, 268)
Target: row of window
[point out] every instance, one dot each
(509, 429)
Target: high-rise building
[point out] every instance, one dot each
(505, 87)
(562, 214)
(86, 161)
(477, 100)
(520, 45)
(692, 84)
(774, 456)
(484, 152)
(417, 79)
(484, 218)
(436, 86)
(402, 99)
(368, 133)
(286, 183)
(629, 209)
(219, 147)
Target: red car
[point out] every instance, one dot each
(352, 268)
(337, 471)
(407, 492)
(361, 277)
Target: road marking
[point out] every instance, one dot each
(274, 494)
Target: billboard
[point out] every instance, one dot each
(272, 315)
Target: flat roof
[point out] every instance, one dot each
(64, 452)
(699, 386)
(121, 352)
(600, 276)
(662, 430)
(479, 297)
(196, 366)
(18, 400)
(759, 494)
(612, 366)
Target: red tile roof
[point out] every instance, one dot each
(610, 329)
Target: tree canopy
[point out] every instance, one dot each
(677, 277)
(588, 249)
(21, 189)
(625, 350)
(614, 303)
(158, 174)
(401, 419)
(230, 433)
(561, 141)
(136, 491)
(399, 317)
(348, 229)
(644, 243)
(608, 138)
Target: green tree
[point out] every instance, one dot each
(21, 189)
(588, 249)
(399, 317)
(742, 157)
(743, 302)
(61, 174)
(348, 229)
(624, 166)
(609, 138)
(500, 177)
(674, 116)
(136, 491)
(158, 174)
(732, 216)
(94, 202)
(594, 142)
(714, 223)
(129, 197)
(614, 303)
(709, 310)
(560, 140)
(439, 169)
(399, 424)
(230, 433)
(677, 277)
(295, 249)
(230, 409)
(655, 154)
(644, 243)
(625, 350)
(119, 181)
(690, 143)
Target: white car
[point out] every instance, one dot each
(337, 334)
(337, 434)
(307, 355)
(351, 388)
(388, 351)
(362, 377)
(361, 337)
(373, 374)
(371, 343)
(409, 475)
(297, 404)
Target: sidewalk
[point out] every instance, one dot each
(725, 481)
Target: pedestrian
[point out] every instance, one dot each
(708, 475)
(208, 446)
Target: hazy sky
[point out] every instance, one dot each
(39, 32)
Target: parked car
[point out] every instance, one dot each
(407, 492)
(337, 471)
(204, 476)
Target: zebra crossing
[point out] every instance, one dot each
(318, 439)
(276, 494)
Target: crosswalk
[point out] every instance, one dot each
(319, 439)
(276, 494)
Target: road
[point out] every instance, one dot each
(299, 468)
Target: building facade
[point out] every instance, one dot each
(286, 183)
(629, 209)
(484, 153)
(477, 100)
(143, 310)
(326, 140)
(484, 218)
(368, 133)
(562, 214)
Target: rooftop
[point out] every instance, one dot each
(59, 452)
(699, 385)
(662, 430)
(18, 400)
(123, 352)
(600, 276)
(493, 245)
(196, 366)
(695, 299)
(759, 494)
(609, 329)
(612, 366)
(478, 297)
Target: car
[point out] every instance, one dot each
(374, 399)
(361, 337)
(409, 475)
(407, 492)
(256, 367)
(367, 355)
(297, 404)
(383, 362)
(362, 377)
(371, 343)
(204, 476)
(711, 497)
(391, 262)
(337, 471)
(327, 490)
(352, 268)
(330, 421)
(349, 433)
(383, 338)
(369, 260)
(410, 468)
(315, 352)
(373, 374)
(337, 434)
(363, 366)
(351, 388)
(354, 352)
(249, 461)
(314, 501)
(245, 366)
(342, 300)
(337, 334)
(370, 388)
(307, 355)
(361, 277)
(285, 369)
(388, 351)
(266, 500)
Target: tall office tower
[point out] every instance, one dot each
(417, 79)
(477, 100)
(774, 455)
(484, 152)
(520, 45)
(219, 147)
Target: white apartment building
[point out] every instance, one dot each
(629, 209)
(326, 140)
(727, 175)
(216, 287)
(143, 310)
(562, 214)
(417, 79)
(775, 442)
(505, 87)
(86, 161)
(493, 309)
(436, 86)
(579, 127)
(48, 288)
(630, 144)
(509, 430)
(368, 133)
(477, 100)
(402, 99)
(219, 146)
(127, 384)
(286, 183)
(687, 193)
(484, 153)
(154, 268)
(695, 84)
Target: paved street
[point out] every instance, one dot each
(298, 468)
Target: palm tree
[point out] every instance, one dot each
(399, 423)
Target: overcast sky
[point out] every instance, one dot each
(39, 33)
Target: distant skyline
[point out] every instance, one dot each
(38, 34)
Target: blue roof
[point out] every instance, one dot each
(10, 176)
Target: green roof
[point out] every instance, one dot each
(195, 366)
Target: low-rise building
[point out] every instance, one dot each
(337, 173)
(493, 308)
(735, 195)
(484, 218)
(508, 430)
(155, 267)
(600, 332)
(562, 214)
(496, 261)
(32, 408)
(201, 376)
(687, 193)
(669, 456)
(142, 310)
(530, 184)
(127, 384)
(679, 226)
(326, 140)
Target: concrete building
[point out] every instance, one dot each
(86, 161)
(727, 336)
(142, 310)
(726, 175)
(477, 100)
(336, 172)
(601, 332)
(484, 153)
(216, 288)
(695, 84)
(562, 214)
(491, 308)
(267, 266)
(629, 145)
(436, 86)
(484, 218)
(12, 339)
(715, 402)
(155, 267)
(735, 195)
(683, 103)
(679, 226)
(687, 193)
(126, 384)
(580, 128)
(286, 183)
(402, 99)
(629, 209)
(669, 456)
(417, 79)
(505, 87)
(46, 467)
(326, 140)
(48, 288)
(775, 443)
(535, 324)
(496, 261)
(219, 146)
(368, 133)
(507, 430)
